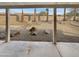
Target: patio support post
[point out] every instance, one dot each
(7, 26)
(22, 18)
(34, 15)
(47, 14)
(28, 17)
(17, 17)
(55, 27)
(38, 17)
(74, 14)
(64, 14)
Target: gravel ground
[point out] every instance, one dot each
(65, 32)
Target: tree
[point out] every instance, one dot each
(73, 12)
(42, 13)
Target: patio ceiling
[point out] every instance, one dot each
(39, 4)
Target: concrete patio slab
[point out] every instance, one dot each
(68, 49)
(28, 49)
(38, 49)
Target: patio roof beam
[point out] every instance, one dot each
(39, 5)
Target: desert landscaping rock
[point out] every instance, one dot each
(46, 31)
(2, 35)
(14, 33)
(34, 33)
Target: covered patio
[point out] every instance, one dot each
(53, 49)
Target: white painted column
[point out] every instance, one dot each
(7, 26)
(55, 27)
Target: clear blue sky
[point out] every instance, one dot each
(31, 10)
